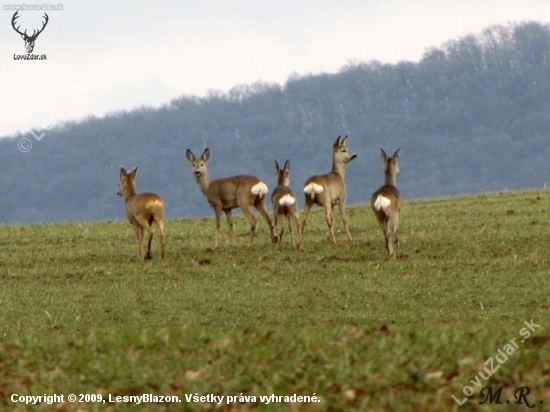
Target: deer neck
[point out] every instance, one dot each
(390, 178)
(283, 181)
(204, 182)
(129, 192)
(338, 168)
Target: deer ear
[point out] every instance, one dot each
(190, 156)
(344, 141)
(122, 171)
(205, 155)
(132, 173)
(287, 166)
(336, 143)
(276, 167)
(383, 155)
(397, 153)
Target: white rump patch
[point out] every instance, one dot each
(287, 200)
(259, 189)
(381, 202)
(313, 187)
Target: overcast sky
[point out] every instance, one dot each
(104, 56)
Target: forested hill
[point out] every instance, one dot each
(473, 115)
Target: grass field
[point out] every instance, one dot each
(80, 314)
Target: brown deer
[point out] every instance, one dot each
(386, 203)
(226, 194)
(284, 204)
(142, 210)
(330, 189)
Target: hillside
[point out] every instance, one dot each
(471, 116)
(82, 315)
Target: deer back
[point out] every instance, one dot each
(145, 204)
(325, 188)
(233, 191)
(388, 198)
(283, 198)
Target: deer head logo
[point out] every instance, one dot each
(29, 40)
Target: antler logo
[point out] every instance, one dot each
(29, 40)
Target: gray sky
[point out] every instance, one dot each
(104, 56)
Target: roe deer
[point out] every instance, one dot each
(142, 210)
(243, 191)
(284, 204)
(330, 189)
(386, 202)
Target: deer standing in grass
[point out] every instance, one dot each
(142, 210)
(226, 194)
(386, 203)
(284, 204)
(330, 189)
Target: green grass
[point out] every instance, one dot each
(79, 313)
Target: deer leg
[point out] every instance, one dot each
(162, 238)
(396, 243)
(252, 219)
(280, 221)
(139, 234)
(342, 207)
(146, 225)
(275, 240)
(382, 222)
(290, 230)
(218, 211)
(230, 225)
(330, 221)
(388, 236)
(296, 220)
(395, 238)
(260, 207)
(307, 206)
(149, 241)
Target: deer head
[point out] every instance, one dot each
(127, 185)
(29, 40)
